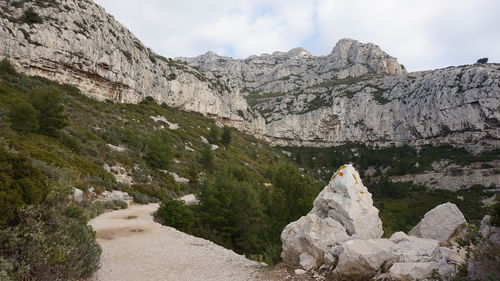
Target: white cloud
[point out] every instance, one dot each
(423, 34)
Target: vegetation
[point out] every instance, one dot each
(158, 152)
(482, 61)
(31, 17)
(174, 213)
(226, 137)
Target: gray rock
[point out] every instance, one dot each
(441, 223)
(365, 257)
(77, 195)
(306, 240)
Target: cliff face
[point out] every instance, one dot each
(80, 44)
(456, 105)
(358, 93)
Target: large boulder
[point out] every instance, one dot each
(346, 200)
(306, 240)
(365, 257)
(441, 223)
(343, 210)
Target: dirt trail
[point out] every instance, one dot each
(135, 248)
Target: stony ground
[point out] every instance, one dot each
(137, 248)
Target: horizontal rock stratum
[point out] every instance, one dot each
(342, 233)
(357, 93)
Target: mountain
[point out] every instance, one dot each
(78, 43)
(359, 93)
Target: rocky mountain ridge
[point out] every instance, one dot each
(359, 93)
(298, 69)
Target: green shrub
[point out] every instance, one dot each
(142, 198)
(175, 213)
(31, 17)
(158, 152)
(49, 242)
(23, 117)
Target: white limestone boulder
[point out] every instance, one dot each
(346, 200)
(441, 223)
(306, 240)
(365, 257)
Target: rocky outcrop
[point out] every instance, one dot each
(441, 223)
(343, 230)
(78, 43)
(342, 211)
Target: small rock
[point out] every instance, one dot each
(300, 271)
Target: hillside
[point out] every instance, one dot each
(78, 43)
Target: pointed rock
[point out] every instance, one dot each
(346, 200)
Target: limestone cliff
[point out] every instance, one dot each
(358, 93)
(78, 43)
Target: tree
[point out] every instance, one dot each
(207, 158)
(299, 191)
(232, 209)
(482, 61)
(51, 117)
(23, 117)
(158, 152)
(226, 136)
(174, 213)
(214, 136)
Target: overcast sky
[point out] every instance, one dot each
(422, 34)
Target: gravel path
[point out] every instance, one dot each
(135, 248)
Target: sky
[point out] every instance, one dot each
(422, 34)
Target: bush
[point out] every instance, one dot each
(142, 198)
(31, 17)
(174, 213)
(23, 117)
(482, 61)
(158, 152)
(49, 242)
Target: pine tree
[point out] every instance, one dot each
(226, 136)
(207, 158)
(51, 116)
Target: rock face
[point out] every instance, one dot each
(440, 223)
(358, 93)
(78, 43)
(343, 232)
